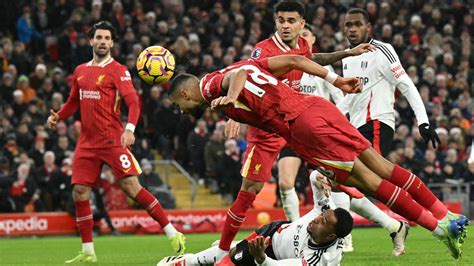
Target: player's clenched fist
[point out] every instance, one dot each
(348, 85)
(52, 119)
(221, 101)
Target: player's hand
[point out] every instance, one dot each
(52, 119)
(231, 129)
(361, 48)
(348, 85)
(323, 184)
(428, 133)
(221, 102)
(257, 248)
(127, 139)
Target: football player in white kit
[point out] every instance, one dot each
(397, 230)
(314, 239)
(371, 111)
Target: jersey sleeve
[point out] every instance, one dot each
(212, 87)
(321, 202)
(393, 71)
(260, 52)
(123, 83)
(72, 102)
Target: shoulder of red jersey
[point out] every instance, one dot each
(261, 49)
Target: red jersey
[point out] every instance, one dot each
(265, 102)
(274, 46)
(98, 91)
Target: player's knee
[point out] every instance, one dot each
(251, 186)
(130, 186)
(285, 183)
(80, 192)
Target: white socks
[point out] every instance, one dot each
(88, 248)
(209, 256)
(290, 203)
(170, 231)
(365, 208)
(439, 232)
(341, 200)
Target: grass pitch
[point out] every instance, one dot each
(372, 247)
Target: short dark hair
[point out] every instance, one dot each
(103, 25)
(290, 6)
(344, 222)
(178, 82)
(359, 11)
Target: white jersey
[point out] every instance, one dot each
(380, 72)
(315, 85)
(293, 240)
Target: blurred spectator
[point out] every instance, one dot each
(23, 190)
(150, 180)
(45, 180)
(23, 84)
(213, 151)
(196, 141)
(228, 171)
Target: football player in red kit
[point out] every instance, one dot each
(249, 92)
(263, 147)
(98, 88)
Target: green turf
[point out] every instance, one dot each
(372, 247)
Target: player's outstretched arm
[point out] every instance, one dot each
(280, 65)
(330, 58)
(233, 82)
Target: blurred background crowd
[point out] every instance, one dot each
(42, 41)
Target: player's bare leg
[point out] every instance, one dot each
(85, 223)
(237, 213)
(134, 190)
(450, 229)
(287, 170)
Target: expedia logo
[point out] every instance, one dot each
(30, 224)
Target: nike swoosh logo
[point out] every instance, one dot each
(127, 170)
(235, 226)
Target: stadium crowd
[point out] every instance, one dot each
(42, 41)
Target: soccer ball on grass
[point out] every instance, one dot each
(155, 65)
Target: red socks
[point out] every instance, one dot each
(235, 218)
(418, 190)
(84, 220)
(401, 202)
(152, 206)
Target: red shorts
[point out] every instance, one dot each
(259, 158)
(87, 164)
(323, 136)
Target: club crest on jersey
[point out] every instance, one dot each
(364, 65)
(256, 53)
(257, 168)
(99, 80)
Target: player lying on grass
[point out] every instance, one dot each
(314, 239)
(248, 92)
